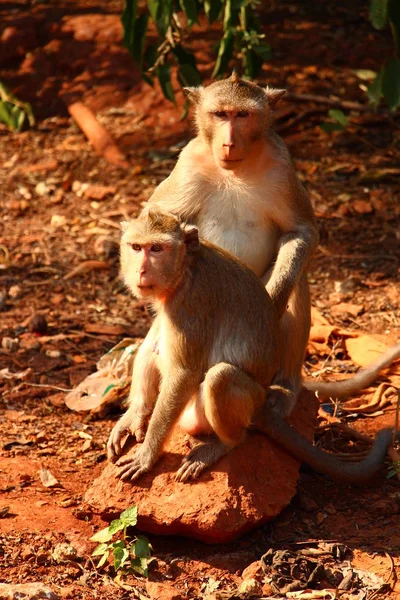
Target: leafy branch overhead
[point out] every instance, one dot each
(156, 51)
(387, 82)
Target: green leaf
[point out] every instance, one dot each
(100, 550)
(139, 36)
(116, 525)
(188, 76)
(263, 50)
(142, 547)
(161, 11)
(252, 63)
(329, 127)
(121, 555)
(149, 58)
(18, 118)
(190, 8)
(129, 516)
(378, 13)
(5, 116)
(164, 77)
(374, 90)
(102, 536)
(237, 4)
(339, 116)
(128, 19)
(183, 56)
(140, 566)
(225, 52)
(155, 9)
(212, 9)
(103, 560)
(394, 21)
(391, 83)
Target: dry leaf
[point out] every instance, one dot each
(365, 349)
(347, 308)
(317, 318)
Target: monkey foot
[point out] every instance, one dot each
(190, 469)
(202, 456)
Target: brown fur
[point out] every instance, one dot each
(211, 354)
(263, 188)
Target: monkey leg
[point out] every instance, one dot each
(142, 397)
(294, 332)
(226, 406)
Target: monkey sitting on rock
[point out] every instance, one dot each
(217, 349)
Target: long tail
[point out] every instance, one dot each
(354, 473)
(361, 380)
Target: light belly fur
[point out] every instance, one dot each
(249, 237)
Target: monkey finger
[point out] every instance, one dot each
(131, 471)
(116, 442)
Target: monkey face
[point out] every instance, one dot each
(153, 252)
(234, 135)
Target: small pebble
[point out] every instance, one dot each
(38, 324)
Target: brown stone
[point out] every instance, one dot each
(242, 491)
(27, 591)
(162, 591)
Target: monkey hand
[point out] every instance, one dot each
(124, 428)
(131, 467)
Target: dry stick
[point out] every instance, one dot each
(45, 386)
(87, 265)
(97, 135)
(337, 103)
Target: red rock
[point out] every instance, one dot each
(162, 591)
(99, 192)
(27, 591)
(242, 491)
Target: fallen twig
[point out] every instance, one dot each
(97, 135)
(45, 385)
(87, 265)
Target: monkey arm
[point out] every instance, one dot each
(295, 248)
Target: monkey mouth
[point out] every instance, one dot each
(145, 288)
(230, 163)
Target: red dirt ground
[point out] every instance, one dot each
(53, 219)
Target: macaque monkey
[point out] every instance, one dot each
(215, 351)
(236, 182)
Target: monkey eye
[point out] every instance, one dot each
(243, 113)
(220, 114)
(136, 247)
(156, 248)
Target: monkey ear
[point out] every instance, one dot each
(191, 237)
(234, 78)
(274, 95)
(193, 94)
